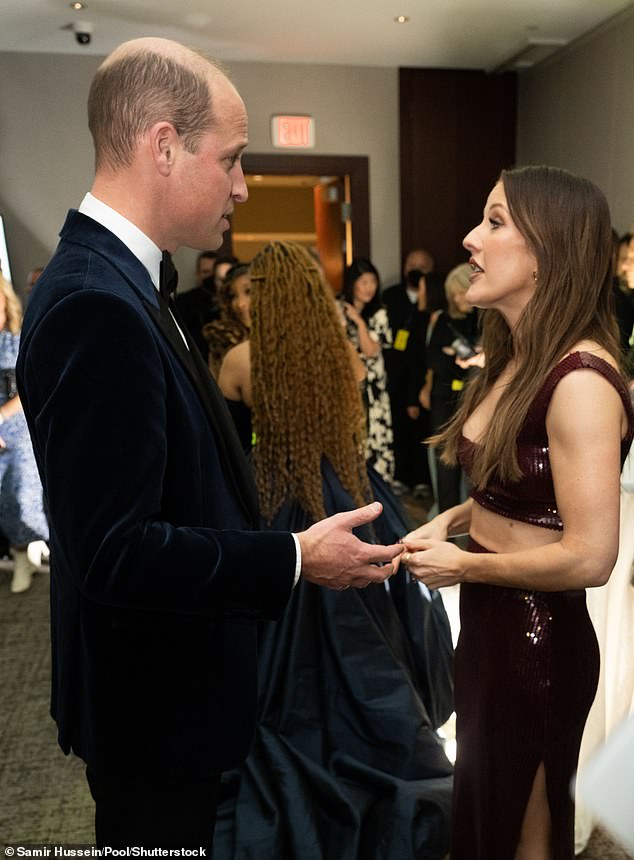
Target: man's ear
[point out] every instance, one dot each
(164, 142)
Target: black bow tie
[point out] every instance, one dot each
(168, 278)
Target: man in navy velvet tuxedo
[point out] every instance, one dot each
(158, 570)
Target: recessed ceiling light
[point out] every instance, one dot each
(401, 19)
(77, 6)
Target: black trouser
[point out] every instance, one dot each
(410, 454)
(154, 813)
(448, 478)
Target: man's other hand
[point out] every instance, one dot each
(332, 556)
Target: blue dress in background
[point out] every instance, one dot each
(22, 517)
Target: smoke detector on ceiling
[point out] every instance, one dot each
(535, 51)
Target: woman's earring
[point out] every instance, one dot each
(535, 277)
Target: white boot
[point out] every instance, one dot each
(22, 571)
(38, 553)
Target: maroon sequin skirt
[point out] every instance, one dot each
(526, 672)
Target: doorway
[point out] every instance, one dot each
(319, 201)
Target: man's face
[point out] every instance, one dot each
(209, 182)
(204, 269)
(419, 260)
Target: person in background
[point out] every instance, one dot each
(453, 335)
(198, 306)
(623, 295)
(205, 264)
(31, 278)
(159, 568)
(221, 267)
(622, 253)
(353, 683)
(234, 320)
(22, 517)
(368, 330)
(542, 431)
(404, 363)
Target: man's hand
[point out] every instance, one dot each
(334, 557)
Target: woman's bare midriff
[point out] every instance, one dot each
(501, 534)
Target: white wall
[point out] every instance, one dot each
(356, 113)
(577, 112)
(46, 152)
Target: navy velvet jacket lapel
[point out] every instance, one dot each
(213, 401)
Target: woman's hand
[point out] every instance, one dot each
(433, 530)
(435, 563)
(413, 412)
(477, 360)
(424, 397)
(352, 313)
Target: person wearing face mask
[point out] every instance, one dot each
(408, 305)
(542, 431)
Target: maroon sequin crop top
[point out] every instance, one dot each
(532, 498)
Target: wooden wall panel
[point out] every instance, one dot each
(457, 131)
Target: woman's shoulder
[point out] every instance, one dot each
(585, 351)
(239, 353)
(574, 389)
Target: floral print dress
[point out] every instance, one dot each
(380, 450)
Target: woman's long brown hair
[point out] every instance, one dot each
(566, 223)
(306, 402)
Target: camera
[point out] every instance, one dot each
(83, 32)
(462, 348)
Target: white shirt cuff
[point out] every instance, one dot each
(298, 559)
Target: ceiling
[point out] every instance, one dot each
(468, 34)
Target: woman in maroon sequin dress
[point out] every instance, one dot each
(542, 432)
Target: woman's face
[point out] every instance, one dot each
(240, 295)
(502, 263)
(461, 302)
(364, 289)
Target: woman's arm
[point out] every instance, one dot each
(453, 521)
(585, 427)
(234, 376)
(11, 408)
(358, 368)
(368, 346)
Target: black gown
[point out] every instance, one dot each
(346, 763)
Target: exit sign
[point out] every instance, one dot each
(293, 132)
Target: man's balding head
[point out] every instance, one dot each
(142, 82)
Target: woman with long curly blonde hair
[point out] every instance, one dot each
(350, 695)
(21, 512)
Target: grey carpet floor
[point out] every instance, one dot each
(43, 794)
